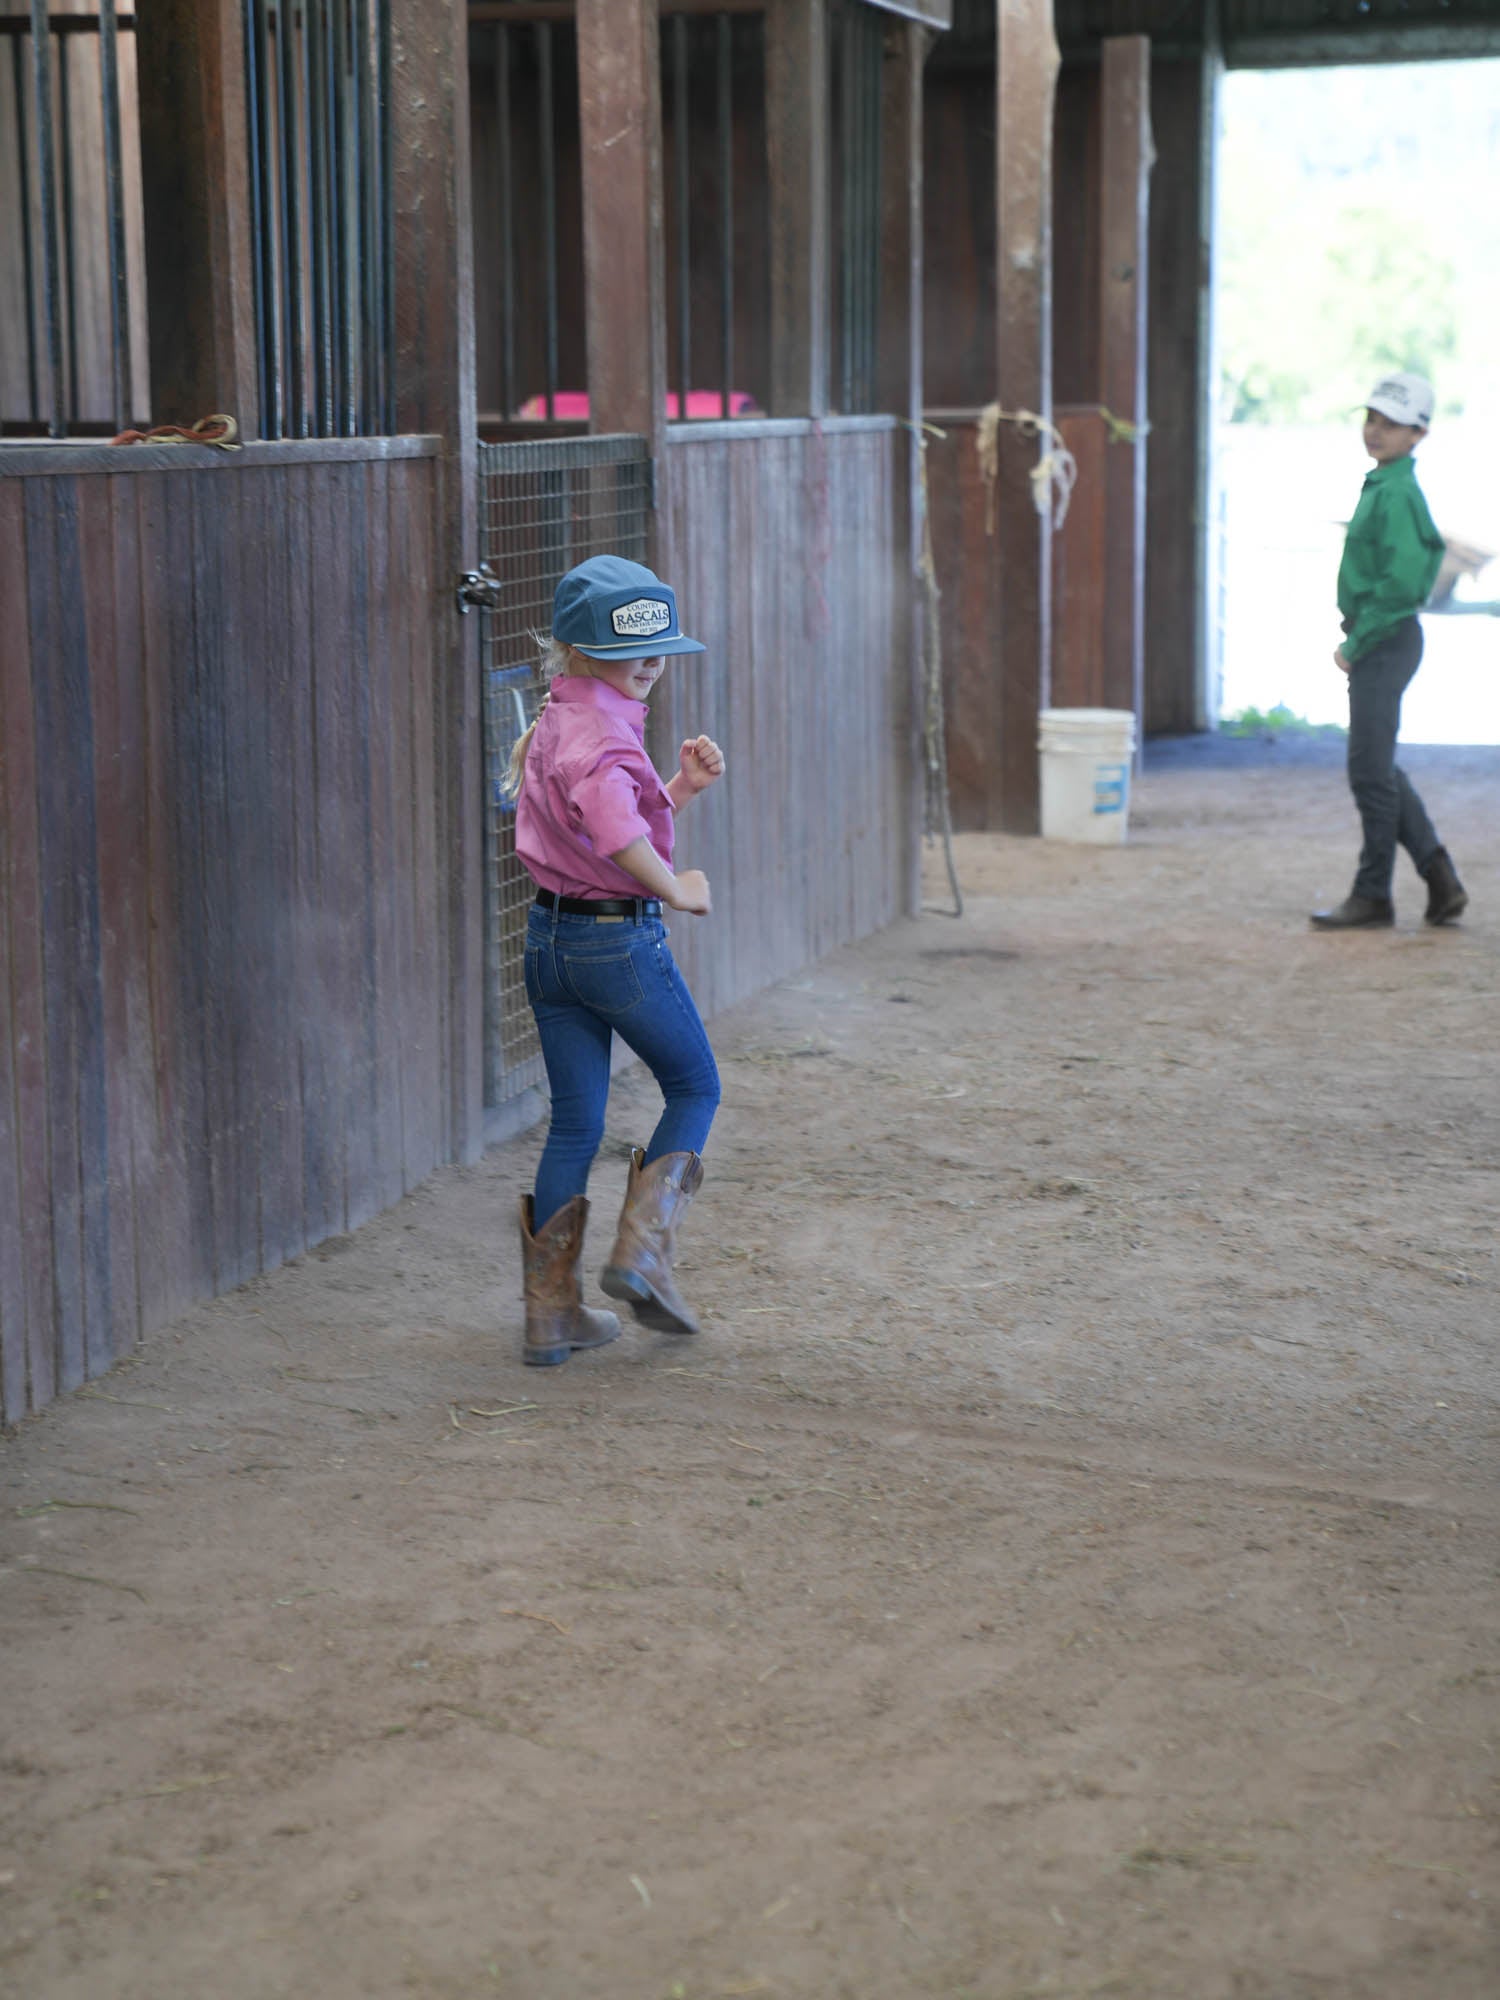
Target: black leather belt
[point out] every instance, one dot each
(600, 906)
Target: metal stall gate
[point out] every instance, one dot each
(544, 506)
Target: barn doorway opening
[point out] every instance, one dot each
(1358, 231)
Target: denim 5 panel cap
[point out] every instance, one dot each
(612, 609)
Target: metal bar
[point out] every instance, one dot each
(549, 211)
(23, 154)
(255, 93)
(726, 209)
(319, 204)
(681, 149)
(276, 234)
(337, 221)
(845, 204)
(41, 76)
(353, 161)
(345, 141)
(385, 212)
(69, 233)
(873, 101)
(114, 198)
(507, 204)
(369, 223)
(291, 201)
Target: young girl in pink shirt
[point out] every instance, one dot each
(594, 828)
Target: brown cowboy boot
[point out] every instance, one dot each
(1447, 898)
(557, 1321)
(640, 1267)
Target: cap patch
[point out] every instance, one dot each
(642, 618)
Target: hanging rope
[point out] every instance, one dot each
(1052, 477)
(220, 430)
(937, 816)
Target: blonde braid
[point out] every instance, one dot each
(557, 658)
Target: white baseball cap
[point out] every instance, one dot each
(1404, 398)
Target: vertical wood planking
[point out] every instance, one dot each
(76, 1108)
(782, 550)
(116, 726)
(162, 1220)
(338, 899)
(215, 921)
(281, 521)
(969, 615)
(322, 1179)
(1081, 607)
(406, 884)
(13, 646)
(385, 1161)
(26, 1287)
(219, 863)
(427, 1125)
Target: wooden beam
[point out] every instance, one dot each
(1025, 78)
(195, 167)
(1125, 160)
(1183, 116)
(435, 393)
(619, 94)
(797, 158)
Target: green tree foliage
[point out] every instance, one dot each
(1357, 233)
(1307, 324)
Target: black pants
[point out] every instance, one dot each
(1389, 808)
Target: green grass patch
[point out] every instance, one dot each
(1277, 721)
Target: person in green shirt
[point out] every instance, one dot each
(1391, 558)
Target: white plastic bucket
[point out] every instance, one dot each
(1086, 758)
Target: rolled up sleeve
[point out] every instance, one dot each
(607, 802)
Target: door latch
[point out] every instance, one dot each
(478, 586)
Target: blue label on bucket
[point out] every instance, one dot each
(1111, 787)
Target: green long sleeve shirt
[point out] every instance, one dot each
(1392, 553)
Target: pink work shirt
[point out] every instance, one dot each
(589, 790)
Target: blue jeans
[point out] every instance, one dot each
(588, 979)
(1389, 809)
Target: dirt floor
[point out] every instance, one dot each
(1064, 1565)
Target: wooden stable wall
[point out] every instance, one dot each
(223, 999)
(781, 541)
(968, 619)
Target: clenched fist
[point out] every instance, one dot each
(702, 762)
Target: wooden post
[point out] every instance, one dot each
(1125, 180)
(797, 159)
(1184, 98)
(435, 393)
(619, 95)
(195, 167)
(898, 365)
(1025, 78)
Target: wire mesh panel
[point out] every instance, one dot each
(544, 506)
